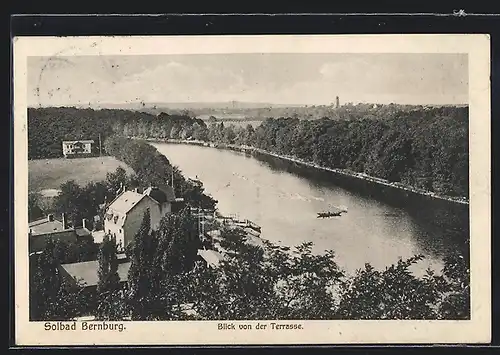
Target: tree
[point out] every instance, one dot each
(115, 181)
(456, 304)
(71, 201)
(108, 266)
(34, 210)
(178, 243)
(269, 283)
(51, 298)
(111, 304)
(140, 252)
(394, 293)
(78, 202)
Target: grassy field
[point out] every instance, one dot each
(51, 173)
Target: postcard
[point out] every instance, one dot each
(242, 190)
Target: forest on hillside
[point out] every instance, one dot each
(427, 149)
(424, 147)
(48, 127)
(424, 151)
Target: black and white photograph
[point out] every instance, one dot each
(260, 195)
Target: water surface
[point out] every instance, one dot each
(285, 204)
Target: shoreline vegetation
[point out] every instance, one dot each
(353, 174)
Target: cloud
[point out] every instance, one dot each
(422, 75)
(175, 81)
(292, 80)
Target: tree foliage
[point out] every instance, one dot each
(152, 167)
(80, 202)
(34, 209)
(111, 302)
(51, 298)
(159, 262)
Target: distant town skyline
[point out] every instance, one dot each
(281, 79)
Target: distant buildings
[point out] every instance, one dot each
(49, 227)
(124, 215)
(77, 148)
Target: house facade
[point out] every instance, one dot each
(124, 215)
(77, 148)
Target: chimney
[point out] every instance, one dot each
(136, 190)
(50, 218)
(64, 222)
(84, 223)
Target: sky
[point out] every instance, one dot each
(297, 79)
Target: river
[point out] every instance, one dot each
(284, 203)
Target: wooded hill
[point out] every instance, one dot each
(425, 147)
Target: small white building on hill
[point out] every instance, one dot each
(77, 148)
(124, 215)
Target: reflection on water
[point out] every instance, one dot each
(284, 203)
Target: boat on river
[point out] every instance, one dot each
(329, 214)
(334, 212)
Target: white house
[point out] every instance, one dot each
(74, 148)
(124, 215)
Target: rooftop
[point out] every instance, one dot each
(50, 192)
(82, 141)
(255, 241)
(86, 271)
(160, 194)
(212, 257)
(126, 201)
(82, 232)
(44, 226)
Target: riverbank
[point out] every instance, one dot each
(342, 172)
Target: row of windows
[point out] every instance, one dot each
(119, 231)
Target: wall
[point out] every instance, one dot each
(114, 229)
(38, 242)
(126, 233)
(135, 216)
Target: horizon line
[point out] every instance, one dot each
(264, 104)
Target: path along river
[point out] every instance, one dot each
(284, 203)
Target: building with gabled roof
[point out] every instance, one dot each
(49, 227)
(125, 213)
(77, 148)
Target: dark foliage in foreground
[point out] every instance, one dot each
(250, 283)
